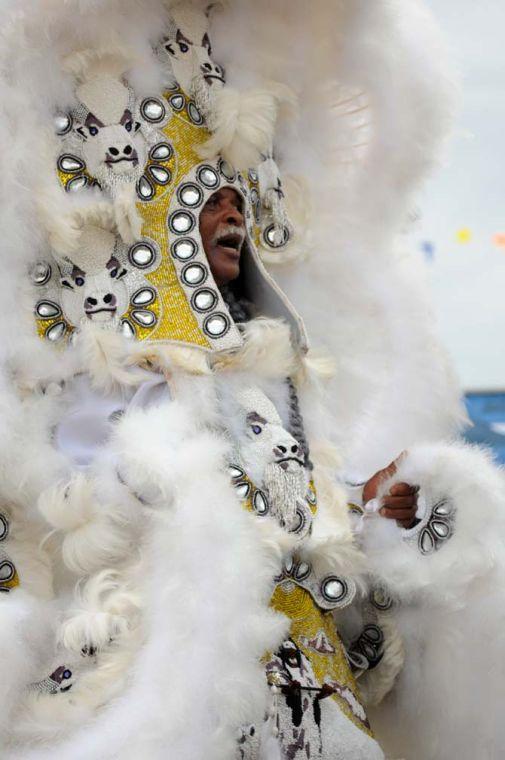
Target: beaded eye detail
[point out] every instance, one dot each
(257, 429)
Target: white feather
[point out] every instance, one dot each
(243, 123)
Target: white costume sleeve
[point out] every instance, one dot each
(446, 578)
(460, 531)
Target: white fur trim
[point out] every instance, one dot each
(467, 477)
(267, 349)
(127, 217)
(64, 218)
(89, 63)
(331, 546)
(104, 612)
(205, 581)
(105, 355)
(94, 535)
(243, 123)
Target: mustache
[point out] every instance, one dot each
(228, 229)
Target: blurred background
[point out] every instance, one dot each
(460, 229)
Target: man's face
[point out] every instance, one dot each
(222, 230)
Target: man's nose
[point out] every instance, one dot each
(232, 215)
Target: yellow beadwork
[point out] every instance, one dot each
(312, 498)
(176, 320)
(43, 325)
(13, 583)
(65, 177)
(140, 331)
(307, 620)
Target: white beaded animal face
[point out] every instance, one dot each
(99, 296)
(266, 443)
(189, 50)
(112, 143)
(93, 284)
(102, 281)
(113, 150)
(269, 464)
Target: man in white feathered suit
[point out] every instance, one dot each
(184, 571)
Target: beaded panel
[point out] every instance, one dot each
(172, 184)
(9, 578)
(308, 602)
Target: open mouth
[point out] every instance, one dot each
(109, 309)
(231, 243)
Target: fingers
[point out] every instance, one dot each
(371, 487)
(399, 514)
(403, 489)
(400, 502)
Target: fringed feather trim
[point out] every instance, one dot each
(127, 218)
(65, 228)
(243, 123)
(94, 533)
(331, 545)
(168, 358)
(89, 63)
(267, 349)
(105, 354)
(104, 611)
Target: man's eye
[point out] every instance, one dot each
(128, 126)
(113, 273)
(183, 47)
(79, 281)
(93, 131)
(256, 429)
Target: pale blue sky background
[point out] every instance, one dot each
(468, 280)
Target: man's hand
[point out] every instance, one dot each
(400, 503)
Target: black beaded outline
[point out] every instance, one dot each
(179, 212)
(197, 293)
(215, 314)
(198, 265)
(148, 118)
